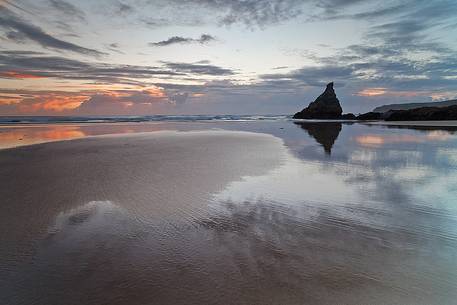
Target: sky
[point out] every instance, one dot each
(144, 57)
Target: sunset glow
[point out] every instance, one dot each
(53, 103)
(60, 57)
(13, 74)
(372, 92)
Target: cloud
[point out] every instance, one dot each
(17, 37)
(91, 102)
(179, 98)
(68, 9)
(41, 102)
(106, 104)
(251, 13)
(314, 76)
(124, 8)
(18, 75)
(198, 68)
(10, 21)
(64, 68)
(402, 54)
(255, 12)
(263, 13)
(203, 39)
(115, 47)
(335, 11)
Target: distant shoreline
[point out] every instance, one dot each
(446, 123)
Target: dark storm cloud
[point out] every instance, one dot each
(10, 21)
(204, 38)
(68, 9)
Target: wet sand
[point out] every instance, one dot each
(229, 217)
(29, 134)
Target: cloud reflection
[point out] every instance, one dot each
(13, 136)
(379, 140)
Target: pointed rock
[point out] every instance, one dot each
(326, 106)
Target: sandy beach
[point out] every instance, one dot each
(231, 217)
(240, 152)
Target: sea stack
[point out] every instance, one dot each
(326, 106)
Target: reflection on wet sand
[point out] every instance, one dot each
(324, 133)
(435, 135)
(233, 218)
(13, 136)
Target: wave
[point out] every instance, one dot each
(11, 120)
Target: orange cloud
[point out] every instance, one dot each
(7, 100)
(117, 101)
(368, 92)
(372, 92)
(55, 103)
(447, 95)
(19, 75)
(155, 91)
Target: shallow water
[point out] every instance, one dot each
(309, 213)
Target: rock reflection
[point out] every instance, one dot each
(324, 133)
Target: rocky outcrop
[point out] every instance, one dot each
(348, 116)
(326, 106)
(423, 114)
(370, 116)
(409, 106)
(417, 114)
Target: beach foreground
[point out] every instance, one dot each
(231, 217)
